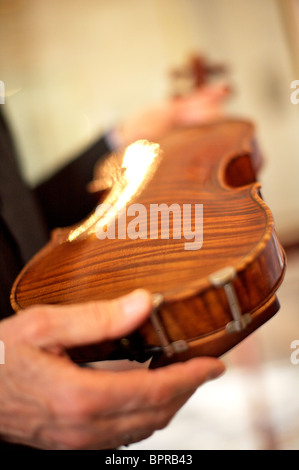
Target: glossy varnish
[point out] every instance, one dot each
(214, 165)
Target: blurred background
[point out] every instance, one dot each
(74, 68)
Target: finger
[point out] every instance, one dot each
(180, 378)
(145, 389)
(214, 91)
(169, 390)
(75, 325)
(131, 405)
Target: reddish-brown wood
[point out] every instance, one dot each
(215, 165)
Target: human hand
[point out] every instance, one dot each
(203, 105)
(49, 402)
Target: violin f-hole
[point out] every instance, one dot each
(240, 172)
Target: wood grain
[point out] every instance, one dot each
(214, 165)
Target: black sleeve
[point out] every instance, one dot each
(63, 197)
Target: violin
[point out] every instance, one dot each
(195, 73)
(213, 271)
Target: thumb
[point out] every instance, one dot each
(68, 326)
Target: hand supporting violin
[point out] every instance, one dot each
(48, 402)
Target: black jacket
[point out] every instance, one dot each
(27, 216)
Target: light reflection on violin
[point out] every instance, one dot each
(124, 180)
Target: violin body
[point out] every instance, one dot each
(207, 297)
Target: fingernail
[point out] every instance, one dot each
(135, 302)
(214, 374)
